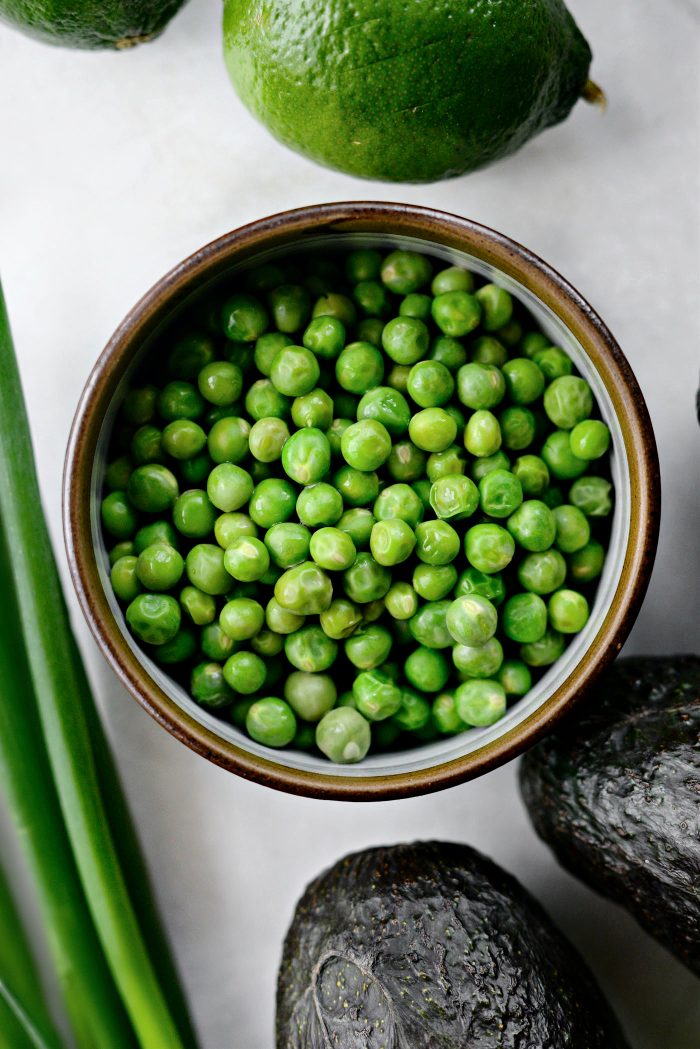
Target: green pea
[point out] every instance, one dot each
(401, 502)
(241, 618)
(405, 462)
(533, 342)
(592, 496)
(147, 444)
(194, 515)
(496, 306)
(200, 607)
(416, 305)
(448, 351)
(291, 306)
(433, 582)
(456, 313)
(452, 279)
(228, 440)
(304, 589)
(152, 488)
(179, 649)
(471, 620)
(404, 272)
(294, 371)
(427, 669)
(480, 702)
(532, 473)
(280, 620)
(369, 646)
(414, 712)
(209, 687)
(358, 523)
(524, 380)
(511, 333)
(264, 401)
(561, 461)
(401, 601)
(220, 383)
(159, 567)
(325, 336)
(334, 305)
(154, 618)
(272, 501)
(359, 368)
(376, 695)
(489, 548)
(343, 735)
(246, 559)
(229, 487)
(230, 526)
(332, 549)
(243, 318)
(480, 386)
(195, 471)
(432, 429)
(586, 564)
(568, 611)
(306, 456)
(366, 580)
(124, 578)
(568, 401)
(371, 298)
(405, 340)
(544, 652)
(118, 515)
(266, 349)
(445, 716)
(430, 384)
(485, 464)
(215, 644)
(553, 362)
(244, 672)
(205, 569)
(572, 529)
(542, 573)
(487, 350)
(515, 677)
(183, 439)
(363, 264)
(482, 436)
(366, 445)
(533, 525)
(437, 543)
(422, 489)
(340, 619)
(310, 649)
(454, 495)
(429, 625)
(319, 504)
(450, 461)
(139, 405)
(310, 695)
(118, 473)
(479, 660)
(472, 581)
(370, 330)
(524, 618)
(518, 427)
(180, 400)
(388, 407)
(288, 543)
(267, 439)
(271, 721)
(357, 487)
(590, 439)
(392, 541)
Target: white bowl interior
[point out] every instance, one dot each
(449, 748)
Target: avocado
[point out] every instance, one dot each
(90, 24)
(616, 794)
(432, 946)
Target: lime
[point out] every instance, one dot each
(407, 92)
(90, 24)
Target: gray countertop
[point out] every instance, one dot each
(115, 166)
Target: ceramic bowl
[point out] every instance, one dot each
(563, 315)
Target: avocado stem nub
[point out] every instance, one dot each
(595, 95)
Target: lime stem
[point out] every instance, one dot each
(595, 95)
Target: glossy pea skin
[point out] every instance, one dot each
(572, 528)
(369, 646)
(310, 649)
(489, 547)
(313, 409)
(325, 336)
(246, 559)
(267, 347)
(388, 407)
(229, 487)
(568, 611)
(480, 702)
(357, 487)
(179, 400)
(427, 669)
(272, 501)
(485, 464)
(544, 652)
(437, 543)
(370, 330)
(524, 618)
(371, 298)
(310, 696)
(124, 580)
(198, 606)
(306, 456)
(553, 362)
(159, 567)
(532, 342)
(473, 581)
(392, 541)
(358, 523)
(532, 473)
(118, 515)
(487, 350)
(340, 619)
(377, 696)
(430, 384)
(194, 514)
(294, 371)
(456, 313)
(264, 401)
(220, 383)
(416, 305)
(152, 488)
(271, 721)
(452, 278)
(209, 687)
(204, 566)
(414, 712)
(405, 272)
(319, 504)
(480, 386)
(147, 445)
(401, 502)
(241, 618)
(366, 445)
(454, 496)
(428, 626)
(363, 264)
(228, 440)
(290, 305)
(228, 527)
(359, 368)
(304, 589)
(568, 401)
(451, 460)
(482, 436)
(215, 644)
(183, 439)
(118, 473)
(542, 573)
(478, 660)
(471, 620)
(288, 543)
(280, 620)
(496, 307)
(524, 380)
(244, 672)
(433, 582)
(154, 618)
(406, 462)
(515, 677)
(267, 439)
(592, 495)
(343, 735)
(405, 340)
(533, 525)
(518, 428)
(332, 549)
(445, 716)
(401, 601)
(586, 564)
(243, 318)
(500, 493)
(449, 352)
(432, 430)
(563, 465)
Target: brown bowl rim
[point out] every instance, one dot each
(451, 231)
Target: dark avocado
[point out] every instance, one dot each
(90, 23)
(616, 794)
(432, 946)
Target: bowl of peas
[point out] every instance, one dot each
(359, 498)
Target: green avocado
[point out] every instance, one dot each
(407, 92)
(432, 946)
(616, 794)
(90, 24)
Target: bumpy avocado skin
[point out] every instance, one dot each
(432, 946)
(90, 24)
(405, 92)
(616, 794)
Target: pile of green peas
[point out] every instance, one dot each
(358, 503)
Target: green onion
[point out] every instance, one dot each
(26, 1031)
(62, 696)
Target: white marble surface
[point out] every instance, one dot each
(114, 167)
